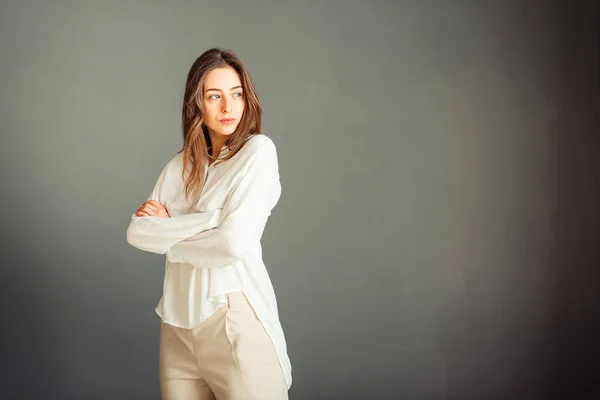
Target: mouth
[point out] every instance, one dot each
(227, 120)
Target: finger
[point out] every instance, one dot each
(149, 211)
(156, 203)
(151, 207)
(146, 209)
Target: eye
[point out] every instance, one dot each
(238, 94)
(214, 96)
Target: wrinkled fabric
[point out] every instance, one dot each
(212, 243)
(228, 356)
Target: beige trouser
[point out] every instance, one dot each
(227, 357)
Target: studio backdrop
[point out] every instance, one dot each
(437, 233)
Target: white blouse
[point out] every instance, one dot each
(212, 246)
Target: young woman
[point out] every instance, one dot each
(220, 331)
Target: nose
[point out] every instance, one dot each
(226, 105)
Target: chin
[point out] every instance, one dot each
(228, 131)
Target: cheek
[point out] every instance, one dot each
(209, 114)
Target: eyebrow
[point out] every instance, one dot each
(218, 90)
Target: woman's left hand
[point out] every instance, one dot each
(152, 208)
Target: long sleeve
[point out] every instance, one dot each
(245, 215)
(156, 234)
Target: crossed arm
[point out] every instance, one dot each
(220, 237)
(158, 234)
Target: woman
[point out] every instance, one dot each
(220, 331)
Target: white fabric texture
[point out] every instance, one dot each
(212, 245)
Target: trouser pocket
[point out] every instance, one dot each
(251, 346)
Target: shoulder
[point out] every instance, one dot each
(173, 165)
(175, 162)
(258, 147)
(258, 143)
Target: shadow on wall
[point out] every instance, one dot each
(576, 298)
(58, 340)
(530, 329)
(32, 356)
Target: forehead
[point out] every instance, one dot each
(222, 78)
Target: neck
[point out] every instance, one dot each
(217, 143)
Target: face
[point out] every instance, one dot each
(223, 103)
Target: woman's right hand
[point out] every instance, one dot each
(152, 208)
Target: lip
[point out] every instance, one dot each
(227, 121)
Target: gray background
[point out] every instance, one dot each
(437, 236)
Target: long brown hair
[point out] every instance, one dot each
(197, 147)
